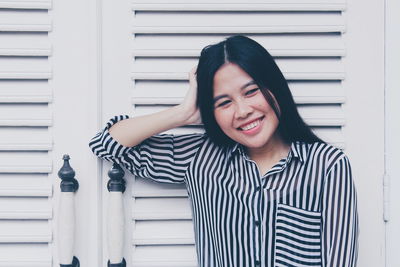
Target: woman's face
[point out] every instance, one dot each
(241, 110)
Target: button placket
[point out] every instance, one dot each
(258, 215)
(258, 191)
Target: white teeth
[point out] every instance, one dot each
(251, 125)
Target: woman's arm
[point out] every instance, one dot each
(133, 131)
(339, 216)
(136, 145)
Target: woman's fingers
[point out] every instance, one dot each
(192, 78)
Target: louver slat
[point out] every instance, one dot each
(238, 29)
(137, 100)
(26, 191)
(232, 6)
(274, 52)
(163, 233)
(26, 4)
(25, 75)
(27, 263)
(165, 256)
(23, 51)
(288, 75)
(16, 27)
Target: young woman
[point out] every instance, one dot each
(264, 190)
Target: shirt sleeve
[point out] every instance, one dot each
(339, 217)
(163, 158)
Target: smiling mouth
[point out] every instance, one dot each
(251, 125)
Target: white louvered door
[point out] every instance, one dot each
(25, 140)
(330, 51)
(318, 44)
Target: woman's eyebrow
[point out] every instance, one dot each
(247, 84)
(219, 97)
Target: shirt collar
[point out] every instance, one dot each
(236, 148)
(298, 150)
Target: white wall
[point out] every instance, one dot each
(392, 128)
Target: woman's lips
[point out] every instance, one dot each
(252, 127)
(251, 124)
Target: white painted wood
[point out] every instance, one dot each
(269, 20)
(26, 4)
(145, 188)
(66, 227)
(26, 191)
(116, 54)
(289, 75)
(271, 42)
(16, 27)
(26, 146)
(392, 130)
(165, 256)
(274, 52)
(24, 208)
(76, 58)
(26, 263)
(364, 130)
(161, 209)
(25, 97)
(236, 29)
(25, 254)
(25, 75)
(24, 231)
(169, 232)
(231, 6)
(325, 65)
(26, 122)
(25, 169)
(148, 100)
(25, 51)
(115, 227)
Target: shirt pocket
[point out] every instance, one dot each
(298, 237)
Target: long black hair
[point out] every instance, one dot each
(255, 60)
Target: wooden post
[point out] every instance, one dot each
(66, 218)
(115, 217)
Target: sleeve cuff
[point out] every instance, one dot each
(110, 144)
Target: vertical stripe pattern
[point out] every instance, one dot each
(302, 212)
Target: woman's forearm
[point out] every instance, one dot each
(133, 131)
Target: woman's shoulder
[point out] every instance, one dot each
(326, 154)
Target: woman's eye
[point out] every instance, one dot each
(251, 91)
(223, 103)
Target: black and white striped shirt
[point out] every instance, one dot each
(302, 212)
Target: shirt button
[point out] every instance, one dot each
(258, 188)
(257, 263)
(257, 223)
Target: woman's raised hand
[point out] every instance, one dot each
(189, 104)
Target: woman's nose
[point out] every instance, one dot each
(242, 110)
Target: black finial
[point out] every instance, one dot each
(116, 182)
(75, 263)
(122, 264)
(67, 174)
